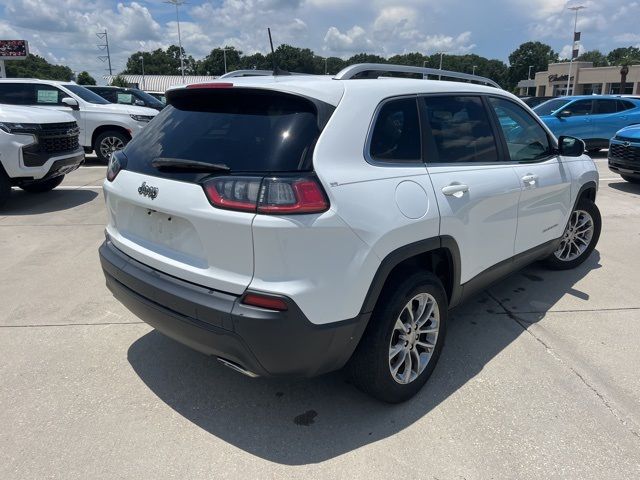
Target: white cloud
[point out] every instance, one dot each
(353, 40)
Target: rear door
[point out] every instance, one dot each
(608, 118)
(545, 200)
(162, 217)
(477, 192)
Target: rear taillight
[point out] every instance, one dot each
(117, 162)
(271, 195)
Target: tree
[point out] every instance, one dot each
(160, 62)
(596, 57)
(536, 54)
(365, 58)
(85, 79)
(35, 66)
(213, 64)
(624, 56)
(119, 81)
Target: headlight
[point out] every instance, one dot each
(19, 127)
(142, 118)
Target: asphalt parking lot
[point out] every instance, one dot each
(539, 377)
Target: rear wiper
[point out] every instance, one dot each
(192, 165)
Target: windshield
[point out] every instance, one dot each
(86, 94)
(246, 130)
(148, 99)
(547, 108)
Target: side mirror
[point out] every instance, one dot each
(71, 102)
(139, 103)
(563, 113)
(571, 146)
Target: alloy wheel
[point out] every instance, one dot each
(414, 338)
(577, 236)
(110, 145)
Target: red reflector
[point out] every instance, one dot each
(211, 85)
(264, 301)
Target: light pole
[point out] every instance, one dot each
(440, 68)
(177, 3)
(473, 72)
(141, 58)
(326, 70)
(576, 9)
(529, 73)
(224, 55)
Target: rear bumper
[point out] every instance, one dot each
(263, 342)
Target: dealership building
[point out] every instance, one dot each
(586, 78)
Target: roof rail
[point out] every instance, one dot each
(248, 73)
(255, 73)
(375, 69)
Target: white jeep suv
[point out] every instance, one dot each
(291, 225)
(37, 148)
(104, 127)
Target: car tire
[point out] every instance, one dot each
(5, 187)
(107, 142)
(630, 179)
(41, 186)
(579, 238)
(379, 365)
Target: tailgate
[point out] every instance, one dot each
(179, 233)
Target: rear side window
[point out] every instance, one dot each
(605, 106)
(624, 105)
(17, 93)
(245, 129)
(461, 130)
(396, 134)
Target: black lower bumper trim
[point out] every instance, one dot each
(263, 342)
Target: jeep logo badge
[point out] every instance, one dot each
(148, 191)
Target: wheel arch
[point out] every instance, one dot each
(107, 128)
(439, 255)
(587, 191)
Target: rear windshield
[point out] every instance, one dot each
(247, 130)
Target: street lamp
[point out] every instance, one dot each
(224, 55)
(576, 9)
(178, 3)
(473, 72)
(326, 70)
(440, 68)
(141, 58)
(529, 73)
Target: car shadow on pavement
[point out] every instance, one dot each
(626, 187)
(23, 203)
(297, 422)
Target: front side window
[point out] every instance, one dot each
(48, 95)
(550, 106)
(579, 108)
(526, 140)
(461, 129)
(396, 134)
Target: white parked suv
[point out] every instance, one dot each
(104, 127)
(291, 225)
(37, 148)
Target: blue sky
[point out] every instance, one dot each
(64, 30)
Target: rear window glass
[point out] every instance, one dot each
(246, 130)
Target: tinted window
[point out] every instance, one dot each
(526, 140)
(396, 135)
(605, 106)
(86, 94)
(579, 107)
(148, 99)
(461, 129)
(247, 130)
(16, 93)
(624, 105)
(547, 108)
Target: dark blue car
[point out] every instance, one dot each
(624, 153)
(593, 118)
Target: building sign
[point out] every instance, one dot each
(559, 78)
(13, 49)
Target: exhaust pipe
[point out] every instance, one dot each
(237, 368)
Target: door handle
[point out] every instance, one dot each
(455, 190)
(530, 180)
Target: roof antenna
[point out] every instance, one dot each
(276, 70)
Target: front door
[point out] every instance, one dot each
(49, 96)
(477, 193)
(545, 201)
